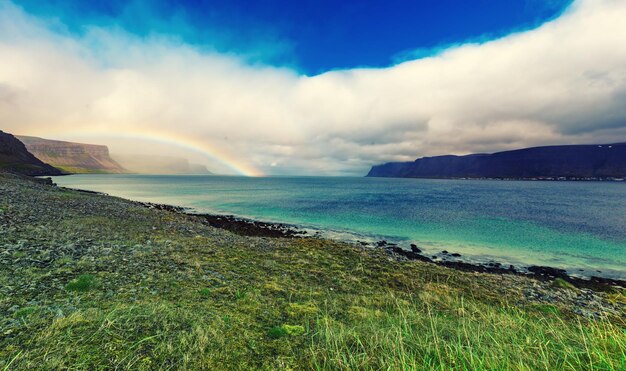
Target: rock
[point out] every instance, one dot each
(548, 272)
(245, 227)
(407, 254)
(415, 249)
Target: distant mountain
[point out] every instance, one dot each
(167, 165)
(569, 161)
(199, 169)
(14, 157)
(77, 158)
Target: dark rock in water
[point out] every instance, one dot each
(46, 181)
(537, 272)
(548, 272)
(408, 254)
(381, 243)
(415, 249)
(469, 267)
(363, 243)
(456, 255)
(245, 227)
(149, 205)
(600, 283)
(569, 161)
(594, 283)
(445, 252)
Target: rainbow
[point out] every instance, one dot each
(211, 152)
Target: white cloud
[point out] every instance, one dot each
(564, 82)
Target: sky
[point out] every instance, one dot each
(276, 87)
(310, 36)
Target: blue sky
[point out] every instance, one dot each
(274, 87)
(310, 36)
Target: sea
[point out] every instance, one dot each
(577, 226)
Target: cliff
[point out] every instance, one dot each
(15, 158)
(569, 161)
(71, 157)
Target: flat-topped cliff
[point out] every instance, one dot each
(71, 157)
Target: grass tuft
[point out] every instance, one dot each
(278, 332)
(205, 292)
(82, 283)
(560, 283)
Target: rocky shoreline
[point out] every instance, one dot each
(539, 284)
(541, 273)
(255, 228)
(92, 281)
(74, 264)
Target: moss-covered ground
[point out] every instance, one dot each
(94, 282)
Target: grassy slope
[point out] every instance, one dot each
(91, 281)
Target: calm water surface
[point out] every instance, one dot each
(579, 226)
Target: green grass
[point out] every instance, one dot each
(84, 282)
(25, 312)
(278, 332)
(422, 332)
(562, 284)
(465, 335)
(111, 291)
(205, 292)
(546, 308)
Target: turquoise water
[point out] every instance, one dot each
(579, 226)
